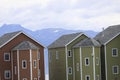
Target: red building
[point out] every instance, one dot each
(21, 57)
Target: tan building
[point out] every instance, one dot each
(21, 57)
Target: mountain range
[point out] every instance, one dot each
(44, 36)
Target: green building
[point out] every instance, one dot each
(61, 56)
(110, 52)
(87, 60)
(79, 57)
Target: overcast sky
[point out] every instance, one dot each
(68, 14)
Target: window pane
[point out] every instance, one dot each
(69, 70)
(87, 77)
(87, 61)
(35, 63)
(114, 52)
(24, 64)
(69, 53)
(7, 74)
(7, 56)
(115, 69)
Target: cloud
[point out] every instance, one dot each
(75, 14)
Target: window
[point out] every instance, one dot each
(69, 53)
(38, 54)
(57, 55)
(114, 52)
(69, 70)
(97, 61)
(77, 66)
(35, 78)
(6, 56)
(35, 63)
(24, 64)
(7, 74)
(87, 77)
(87, 62)
(115, 69)
(24, 78)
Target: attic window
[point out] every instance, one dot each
(114, 52)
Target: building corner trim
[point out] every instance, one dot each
(66, 63)
(30, 64)
(81, 63)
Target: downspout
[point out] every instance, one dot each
(105, 62)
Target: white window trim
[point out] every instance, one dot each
(57, 55)
(26, 64)
(97, 61)
(70, 53)
(35, 63)
(38, 55)
(88, 61)
(39, 73)
(4, 56)
(71, 70)
(116, 53)
(117, 69)
(24, 78)
(35, 78)
(7, 71)
(97, 76)
(77, 66)
(87, 76)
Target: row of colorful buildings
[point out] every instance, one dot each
(78, 57)
(71, 57)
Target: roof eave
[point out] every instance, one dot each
(75, 38)
(10, 39)
(111, 39)
(33, 39)
(19, 34)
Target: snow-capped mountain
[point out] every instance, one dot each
(45, 36)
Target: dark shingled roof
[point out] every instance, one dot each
(25, 45)
(64, 40)
(6, 37)
(87, 42)
(109, 33)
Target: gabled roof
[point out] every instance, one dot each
(25, 45)
(9, 36)
(87, 42)
(64, 40)
(108, 34)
